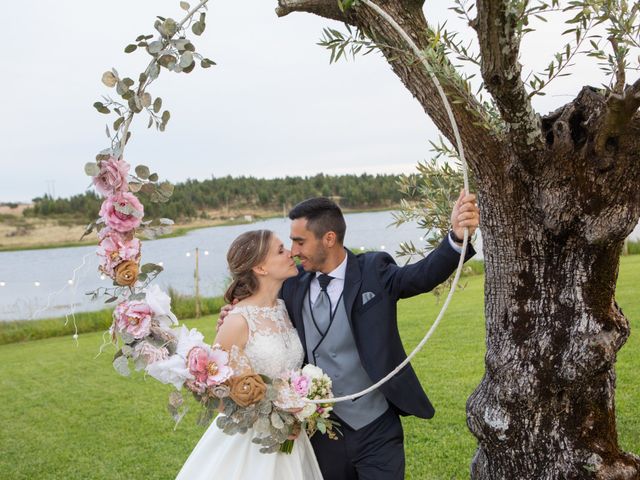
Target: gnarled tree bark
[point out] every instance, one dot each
(558, 197)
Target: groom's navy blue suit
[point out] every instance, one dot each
(376, 450)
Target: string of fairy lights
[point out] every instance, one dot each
(37, 284)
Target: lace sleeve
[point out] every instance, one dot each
(239, 362)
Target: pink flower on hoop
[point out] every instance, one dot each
(114, 248)
(112, 177)
(209, 367)
(133, 318)
(122, 211)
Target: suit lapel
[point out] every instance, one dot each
(352, 282)
(303, 287)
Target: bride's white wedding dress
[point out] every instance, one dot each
(272, 348)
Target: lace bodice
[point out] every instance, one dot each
(273, 346)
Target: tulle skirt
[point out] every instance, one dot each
(234, 457)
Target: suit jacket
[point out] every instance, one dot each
(374, 322)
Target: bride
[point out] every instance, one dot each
(259, 325)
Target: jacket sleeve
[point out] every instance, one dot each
(422, 276)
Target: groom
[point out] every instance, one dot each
(344, 308)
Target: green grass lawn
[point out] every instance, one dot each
(67, 415)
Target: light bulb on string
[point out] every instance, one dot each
(3, 284)
(36, 284)
(188, 254)
(206, 252)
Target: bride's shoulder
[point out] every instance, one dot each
(233, 331)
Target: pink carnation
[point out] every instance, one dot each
(114, 249)
(118, 220)
(133, 318)
(301, 384)
(209, 367)
(112, 177)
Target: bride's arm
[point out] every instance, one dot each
(234, 331)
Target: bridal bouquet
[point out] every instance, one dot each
(221, 381)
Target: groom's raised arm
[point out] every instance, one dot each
(422, 276)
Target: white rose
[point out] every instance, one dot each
(306, 412)
(313, 372)
(160, 304)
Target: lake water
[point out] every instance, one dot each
(42, 283)
(49, 283)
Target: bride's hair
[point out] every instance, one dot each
(246, 252)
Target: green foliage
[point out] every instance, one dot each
(192, 198)
(633, 247)
(183, 306)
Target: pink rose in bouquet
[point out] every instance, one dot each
(114, 248)
(112, 177)
(122, 212)
(209, 367)
(300, 383)
(134, 318)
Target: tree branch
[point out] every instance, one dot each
(323, 8)
(620, 112)
(497, 28)
(482, 143)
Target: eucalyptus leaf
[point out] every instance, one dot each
(134, 187)
(169, 27)
(189, 68)
(154, 71)
(155, 47)
(92, 169)
(167, 61)
(109, 79)
(197, 28)
(157, 104)
(153, 177)
(118, 123)
(166, 115)
(142, 171)
(130, 48)
(121, 365)
(206, 63)
(185, 6)
(146, 99)
(186, 59)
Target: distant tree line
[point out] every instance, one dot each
(194, 198)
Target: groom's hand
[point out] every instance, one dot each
(224, 311)
(465, 214)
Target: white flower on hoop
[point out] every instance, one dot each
(160, 304)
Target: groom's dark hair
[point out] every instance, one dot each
(323, 215)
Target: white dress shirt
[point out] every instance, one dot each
(335, 287)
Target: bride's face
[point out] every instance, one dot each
(279, 264)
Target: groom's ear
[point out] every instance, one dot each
(330, 239)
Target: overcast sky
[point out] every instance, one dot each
(273, 106)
